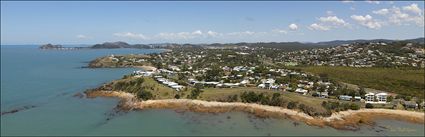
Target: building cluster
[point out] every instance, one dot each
(358, 55)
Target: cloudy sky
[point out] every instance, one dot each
(208, 22)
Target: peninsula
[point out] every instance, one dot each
(273, 82)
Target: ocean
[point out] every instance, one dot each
(45, 82)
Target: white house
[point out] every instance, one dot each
(370, 98)
(262, 85)
(381, 97)
(301, 91)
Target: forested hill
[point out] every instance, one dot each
(340, 42)
(288, 46)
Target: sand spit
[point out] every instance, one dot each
(346, 120)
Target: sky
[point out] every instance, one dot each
(80, 22)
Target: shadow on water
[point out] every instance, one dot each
(117, 111)
(32, 105)
(15, 110)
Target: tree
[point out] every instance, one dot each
(276, 100)
(390, 98)
(362, 91)
(249, 97)
(195, 92)
(177, 96)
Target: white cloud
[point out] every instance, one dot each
(197, 32)
(316, 26)
(367, 21)
(413, 8)
(381, 11)
(241, 33)
(213, 34)
(372, 1)
(293, 26)
(347, 1)
(280, 31)
(81, 36)
(131, 35)
(327, 23)
(403, 16)
(181, 35)
(334, 20)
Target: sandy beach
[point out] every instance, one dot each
(147, 68)
(347, 120)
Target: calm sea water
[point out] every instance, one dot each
(49, 79)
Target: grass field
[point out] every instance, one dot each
(401, 81)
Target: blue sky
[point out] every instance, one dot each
(208, 22)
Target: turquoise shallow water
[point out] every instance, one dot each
(49, 79)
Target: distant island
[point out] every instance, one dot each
(58, 47)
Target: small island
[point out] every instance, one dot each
(58, 47)
(261, 81)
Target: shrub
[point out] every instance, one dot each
(292, 105)
(177, 96)
(368, 105)
(354, 106)
(145, 95)
(231, 98)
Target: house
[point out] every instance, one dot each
(244, 82)
(174, 68)
(323, 94)
(269, 82)
(370, 97)
(177, 87)
(301, 91)
(261, 86)
(381, 97)
(345, 97)
(231, 85)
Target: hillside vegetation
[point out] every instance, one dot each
(409, 82)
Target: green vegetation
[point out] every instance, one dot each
(339, 106)
(408, 82)
(145, 95)
(195, 92)
(144, 87)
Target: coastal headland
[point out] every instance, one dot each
(344, 120)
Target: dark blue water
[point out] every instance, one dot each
(48, 79)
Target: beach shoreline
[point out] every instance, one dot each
(146, 67)
(343, 120)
